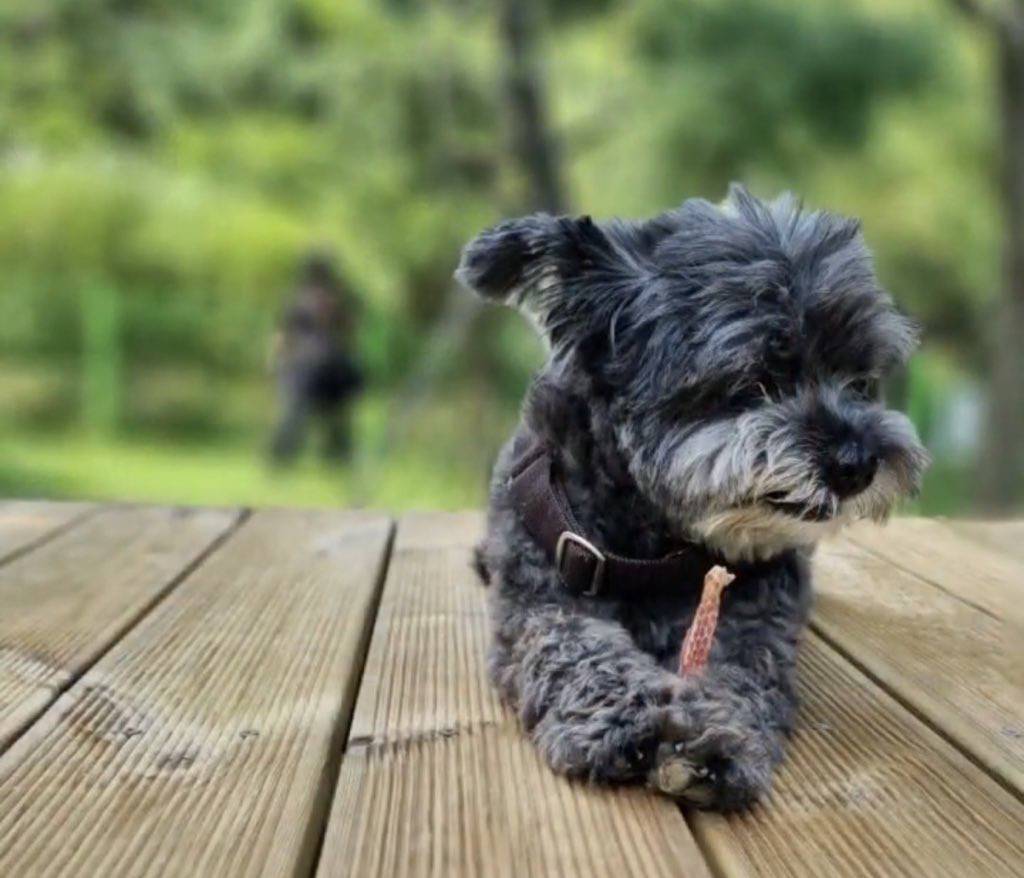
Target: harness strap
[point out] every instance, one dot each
(586, 569)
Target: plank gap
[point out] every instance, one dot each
(919, 714)
(721, 861)
(974, 574)
(439, 778)
(867, 789)
(881, 556)
(48, 535)
(203, 742)
(317, 828)
(59, 687)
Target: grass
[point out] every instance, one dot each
(424, 456)
(425, 453)
(76, 466)
(416, 476)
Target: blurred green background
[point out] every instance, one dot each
(165, 165)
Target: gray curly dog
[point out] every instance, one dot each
(709, 394)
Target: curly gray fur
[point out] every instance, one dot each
(709, 379)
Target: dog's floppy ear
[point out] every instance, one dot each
(566, 272)
(521, 258)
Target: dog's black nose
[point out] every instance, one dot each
(851, 469)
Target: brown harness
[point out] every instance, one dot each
(585, 569)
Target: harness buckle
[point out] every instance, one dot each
(599, 560)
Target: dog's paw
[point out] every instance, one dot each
(727, 783)
(724, 760)
(676, 775)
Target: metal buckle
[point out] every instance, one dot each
(598, 555)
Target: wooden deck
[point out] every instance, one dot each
(219, 692)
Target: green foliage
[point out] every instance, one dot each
(165, 164)
(101, 358)
(772, 76)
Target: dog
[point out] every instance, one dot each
(709, 396)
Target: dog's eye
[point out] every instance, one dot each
(748, 395)
(866, 387)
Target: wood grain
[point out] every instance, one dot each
(938, 654)
(439, 780)
(65, 602)
(868, 790)
(1002, 536)
(25, 523)
(989, 580)
(205, 741)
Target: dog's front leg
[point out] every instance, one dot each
(598, 707)
(752, 677)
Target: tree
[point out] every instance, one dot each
(532, 141)
(1002, 465)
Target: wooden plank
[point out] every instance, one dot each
(65, 602)
(205, 742)
(439, 780)
(988, 580)
(956, 564)
(1002, 536)
(867, 789)
(938, 654)
(24, 523)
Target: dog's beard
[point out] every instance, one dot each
(763, 528)
(751, 486)
(749, 533)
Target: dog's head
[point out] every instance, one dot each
(736, 350)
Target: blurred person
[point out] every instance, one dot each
(317, 374)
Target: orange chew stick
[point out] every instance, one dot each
(697, 644)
